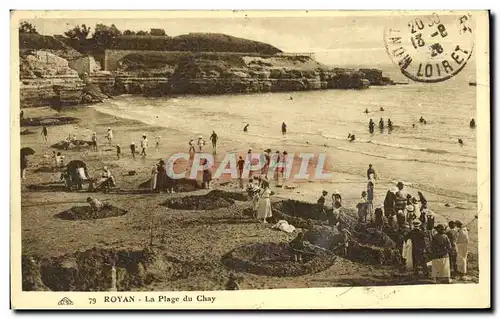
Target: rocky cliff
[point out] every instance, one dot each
(47, 79)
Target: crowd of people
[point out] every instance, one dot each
(412, 225)
(404, 217)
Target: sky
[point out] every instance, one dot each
(355, 41)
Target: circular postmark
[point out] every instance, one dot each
(431, 48)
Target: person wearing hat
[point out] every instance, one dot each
(336, 200)
(462, 243)
(144, 144)
(410, 213)
(109, 135)
(440, 250)
(132, 149)
(264, 206)
(94, 141)
(417, 237)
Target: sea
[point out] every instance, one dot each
(426, 156)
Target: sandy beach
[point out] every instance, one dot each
(185, 236)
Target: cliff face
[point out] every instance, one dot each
(48, 80)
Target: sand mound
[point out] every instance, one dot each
(26, 132)
(48, 186)
(90, 270)
(180, 185)
(275, 259)
(229, 195)
(201, 202)
(49, 121)
(74, 145)
(84, 213)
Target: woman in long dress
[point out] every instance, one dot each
(462, 243)
(441, 247)
(264, 207)
(154, 176)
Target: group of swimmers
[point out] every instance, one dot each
(381, 125)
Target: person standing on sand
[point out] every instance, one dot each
(452, 236)
(157, 142)
(24, 165)
(264, 209)
(248, 161)
(154, 177)
(214, 138)
(144, 145)
(462, 243)
(283, 128)
(118, 151)
(95, 204)
(381, 124)
(362, 207)
(94, 141)
(201, 144)
(44, 133)
(132, 149)
(417, 237)
(241, 165)
(191, 147)
(322, 201)
(440, 248)
(207, 176)
(109, 135)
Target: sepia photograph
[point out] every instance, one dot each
(238, 150)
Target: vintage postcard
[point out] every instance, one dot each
(250, 159)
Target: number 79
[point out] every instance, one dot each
(92, 301)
